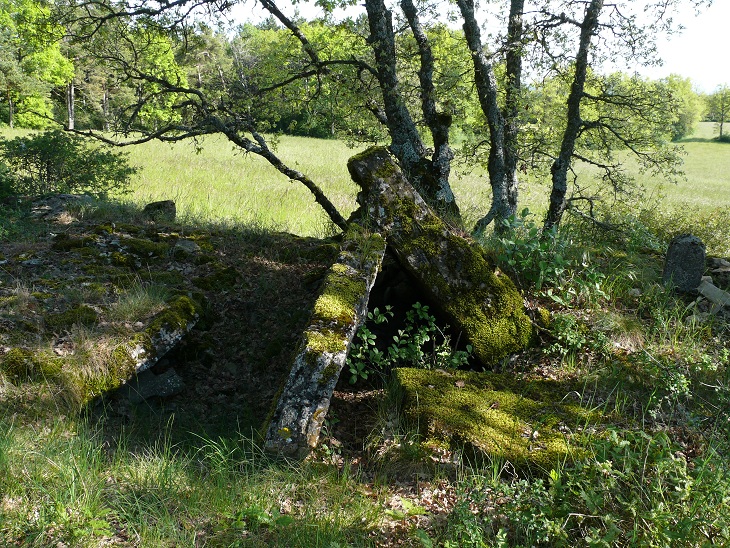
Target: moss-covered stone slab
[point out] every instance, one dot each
(338, 312)
(453, 271)
(161, 335)
(495, 415)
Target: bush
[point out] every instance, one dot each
(550, 262)
(409, 347)
(58, 162)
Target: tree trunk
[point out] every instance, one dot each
(11, 111)
(105, 108)
(406, 143)
(503, 183)
(562, 163)
(430, 177)
(512, 104)
(437, 179)
(71, 104)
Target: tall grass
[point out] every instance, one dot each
(217, 182)
(65, 483)
(214, 181)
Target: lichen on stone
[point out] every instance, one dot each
(450, 268)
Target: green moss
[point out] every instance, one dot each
(81, 315)
(221, 278)
(169, 278)
(20, 364)
(94, 291)
(542, 317)
(325, 340)
(342, 291)
(177, 315)
(120, 259)
(494, 415)
(128, 228)
(64, 242)
(9, 302)
(329, 372)
(488, 307)
(104, 229)
(146, 248)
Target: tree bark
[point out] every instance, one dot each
(406, 144)
(443, 198)
(430, 177)
(71, 105)
(512, 103)
(562, 163)
(11, 111)
(105, 108)
(503, 127)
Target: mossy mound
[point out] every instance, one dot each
(20, 364)
(81, 315)
(495, 415)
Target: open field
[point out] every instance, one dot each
(216, 182)
(219, 183)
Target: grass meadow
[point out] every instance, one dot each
(219, 183)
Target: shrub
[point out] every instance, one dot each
(549, 262)
(55, 161)
(409, 347)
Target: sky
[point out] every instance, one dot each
(702, 51)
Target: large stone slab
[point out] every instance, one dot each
(339, 311)
(496, 416)
(453, 271)
(685, 263)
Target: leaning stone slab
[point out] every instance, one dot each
(453, 271)
(147, 385)
(685, 263)
(161, 335)
(147, 347)
(340, 309)
(714, 294)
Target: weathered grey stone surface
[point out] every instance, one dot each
(685, 263)
(719, 269)
(339, 311)
(164, 210)
(54, 207)
(147, 385)
(714, 294)
(162, 334)
(453, 271)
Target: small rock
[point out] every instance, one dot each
(635, 292)
(187, 246)
(163, 210)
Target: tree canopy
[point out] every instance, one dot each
(529, 99)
